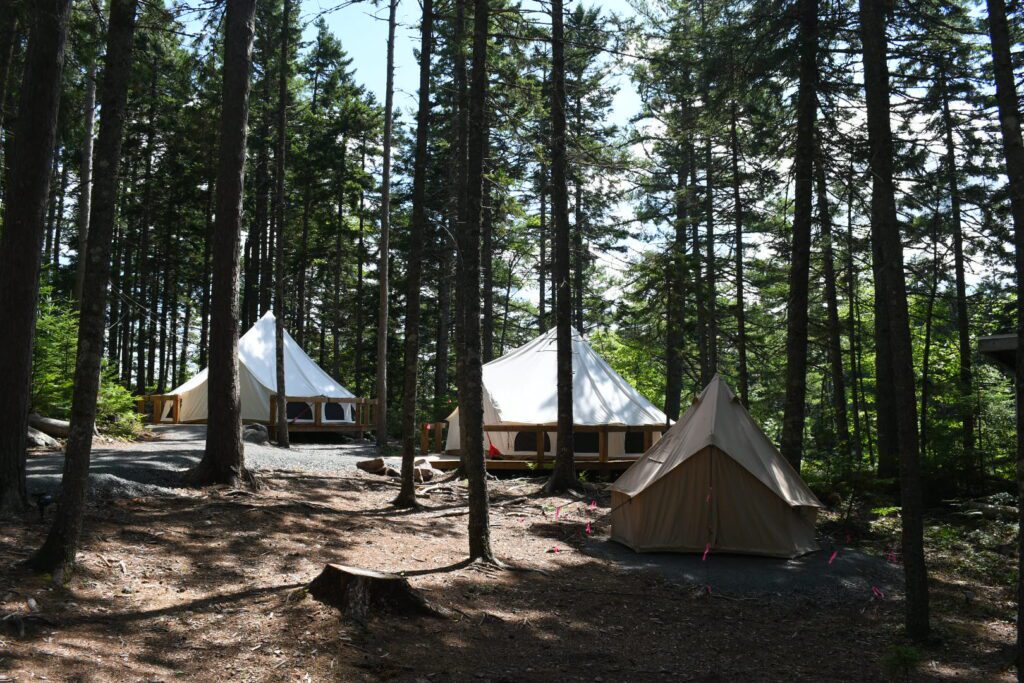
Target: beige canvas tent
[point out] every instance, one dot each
(714, 480)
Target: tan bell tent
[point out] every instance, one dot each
(714, 480)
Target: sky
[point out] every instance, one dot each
(363, 31)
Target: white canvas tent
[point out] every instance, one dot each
(714, 480)
(520, 388)
(257, 374)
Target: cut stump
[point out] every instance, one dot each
(361, 593)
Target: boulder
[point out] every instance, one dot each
(255, 433)
(37, 439)
(373, 466)
(423, 473)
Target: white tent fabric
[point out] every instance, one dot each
(521, 388)
(714, 480)
(257, 371)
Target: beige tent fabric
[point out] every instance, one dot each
(520, 389)
(718, 418)
(714, 481)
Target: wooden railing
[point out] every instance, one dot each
(541, 430)
(158, 401)
(365, 410)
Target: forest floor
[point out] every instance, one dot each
(207, 585)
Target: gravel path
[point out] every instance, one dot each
(155, 467)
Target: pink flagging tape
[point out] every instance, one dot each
(558, 511)
(877, 592)
(707, 549)
(593, 505)
(588, 528)
(833, 557)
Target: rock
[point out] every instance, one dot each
(392, 472)
(422, 473)
(373, 466)
(37, 439)
(255, 433)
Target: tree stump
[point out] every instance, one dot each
(360, 593)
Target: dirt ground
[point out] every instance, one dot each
(210, 587)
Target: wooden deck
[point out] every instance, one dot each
(447, 461)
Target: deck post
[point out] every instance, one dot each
(273, 414)
(177, 409)
(602, 444)
(540, 445)
(318, 409)
(438, 428)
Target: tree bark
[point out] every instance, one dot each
(57, 555)
(886, 230)
(85, 180)
(487, 262)
(283, 438)
(471, 391)
(833, 326)
(962, 315)
(385, 238)
(407, 494)
(8, 42)
(224, 458)
(563, 476)
(800, 251)
(27, 178)
(675, 314)
(1013, 150)
(741, 313)
(542, 266)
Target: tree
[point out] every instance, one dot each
(279, 267)
(1013, 152)
(29, 161)
(471, 403)
(224, 458)
(85, 179)
(885, 233)
(800, 251)
(385, 237)
(407, 496)
(57, 556)
(563, 476)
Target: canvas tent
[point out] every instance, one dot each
(257, 374)
(714, 480)
(520, 388)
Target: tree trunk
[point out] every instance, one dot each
(741, 314)
(563, 476)
(357, 364)
(384, 248)
(851, 322)
(542, 266)
(28, 179)
(444, 305)
(962, 315)
(675, 314)
(1013, 150)
(8, 42)
(224, 458)
(145, 316)
(833, 326)
(885, 409)
(283, 439)
(204, 311)
(885, 228)
(57, 555)
(471, 392)
(800, 252)
(487, 264)
(697, 259)
(417, 230)
(577, 260)
(712, 280)
(929, 315)
(85, 179)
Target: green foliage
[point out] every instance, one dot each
(53, 371)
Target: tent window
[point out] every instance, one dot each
(335, 412)
(299, 411)
(527, 441)
(634, 442)
(586, 442)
